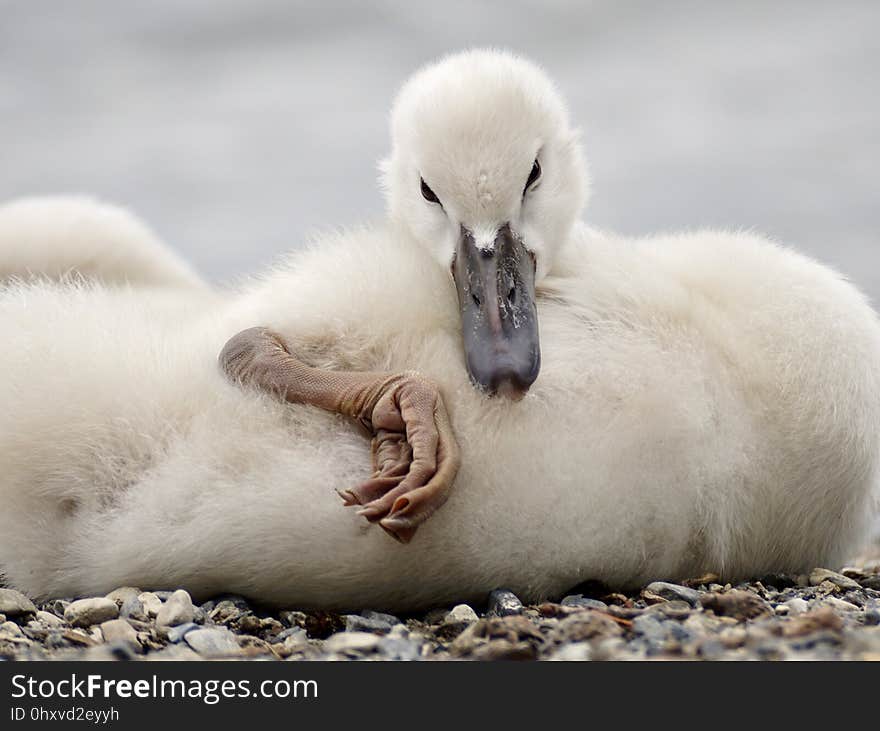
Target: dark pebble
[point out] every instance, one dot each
(357, 623)
(504, 603)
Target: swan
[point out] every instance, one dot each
(619, 409)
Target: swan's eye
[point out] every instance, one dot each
(429, 194)
(534, 177)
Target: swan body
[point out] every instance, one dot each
(706, 402)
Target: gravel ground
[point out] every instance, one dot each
(823, 615)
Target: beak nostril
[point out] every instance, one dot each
(476, 300)
(511, 295)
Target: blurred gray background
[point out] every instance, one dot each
(237, 128)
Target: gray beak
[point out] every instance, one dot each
(496, 295)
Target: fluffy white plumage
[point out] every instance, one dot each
(707, 402)
(69, 236)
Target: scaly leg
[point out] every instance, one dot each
(415, 455)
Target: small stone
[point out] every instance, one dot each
(176, 634)
(660, 590)
(253, 625)
(212, 642)
(797, 606)
(839, 604)
(871, 582)
(572, 652)
(782, 609)
(583, 626)
(49, 619)
(461, 614)
(649, 627)
(118, 630)
(13, 603)
(86, 612)
(11, 628)
(133, 608)
(296, 632)
(352, 642)
(872, 614)
(381, 617)
(504, 603)
(177, 609)
(357, 623)
(674, 609)
(503, 649)
(79, 637)
(579, 600)
(36, 630)
(817, 620)
(123, 594)
(818, 576)
(736, 603)
(151, 603)
(298, 642)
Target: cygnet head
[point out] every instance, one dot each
(487, 173)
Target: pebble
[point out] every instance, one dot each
(212, 642)
(11, 628)
(503, 603)
(670, 592)
(86, 612)
(573, 652)
(150, 602)
(14, 603)
(133, 608)
(119, 630)
(460, 616)
(177, 609)
(358, 623)
(49, 619)
(176, 634)
(736, 603)
(818, 576)
(840, 604)
(381, 617)
(797, 606)
(123, 594)
(579, 600)
(357, 642)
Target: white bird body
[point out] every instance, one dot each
(707, 402)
